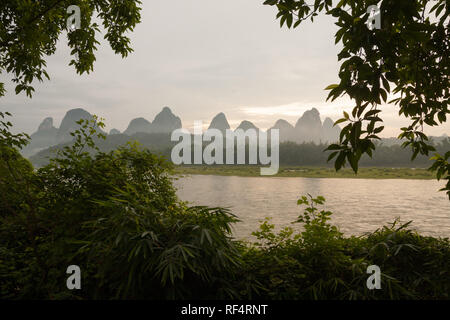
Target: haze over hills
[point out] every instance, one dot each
(48, 135)
(219, 122)
(164, 122)
(43, 138)
(246, 125)
(309, 128)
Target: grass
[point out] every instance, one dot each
(308, 172)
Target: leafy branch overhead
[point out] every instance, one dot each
(30, 30)
(405, 62)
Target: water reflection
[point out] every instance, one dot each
(359, 205)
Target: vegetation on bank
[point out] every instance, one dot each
(319, 262)
(308, 172)
(117, 217)
(290, 154)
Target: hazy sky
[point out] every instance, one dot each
(200, 57)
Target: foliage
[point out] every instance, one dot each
(320, 263)
(306, 172)
(115, 215)
(407, 56)
(29, 31)
(12, 165)
(442, 167)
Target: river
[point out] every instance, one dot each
(358, 205)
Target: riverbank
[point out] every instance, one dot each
(309, 172)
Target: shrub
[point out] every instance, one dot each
(116, 215)
(320, 263)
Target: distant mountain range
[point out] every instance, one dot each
(308, 128)
(164, 122)
(48, 135)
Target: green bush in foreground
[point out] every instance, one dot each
(320, 263)
(116, 215)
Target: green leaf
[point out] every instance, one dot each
(332, 86)
(340, 161)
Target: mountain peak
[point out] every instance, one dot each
(138, 125)
(68, 123)
(309, 126)
(246, 125)
(166, 121)
(114, 131)
(282, 124)
(77, 112)
(330, 132)
(328, 122)
(309, 118)
(43, 138)
(46, 124)
(286, 130)
(219, 122)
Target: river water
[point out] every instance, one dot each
(358, 205)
